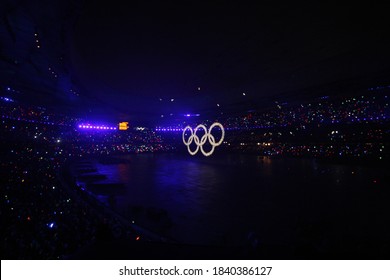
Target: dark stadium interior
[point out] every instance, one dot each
(96, 99)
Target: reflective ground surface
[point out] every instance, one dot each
(281, 204)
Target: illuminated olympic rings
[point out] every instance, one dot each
(206, 137)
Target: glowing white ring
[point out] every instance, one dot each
(223, 133)
(203, 139)
(200, 142)
(188, 143)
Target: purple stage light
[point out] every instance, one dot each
(88, 126)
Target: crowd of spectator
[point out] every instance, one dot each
(340, 127)
(44, 216)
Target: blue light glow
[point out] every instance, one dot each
(6, 99)
(100, 127)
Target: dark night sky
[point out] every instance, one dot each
(131, 55)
